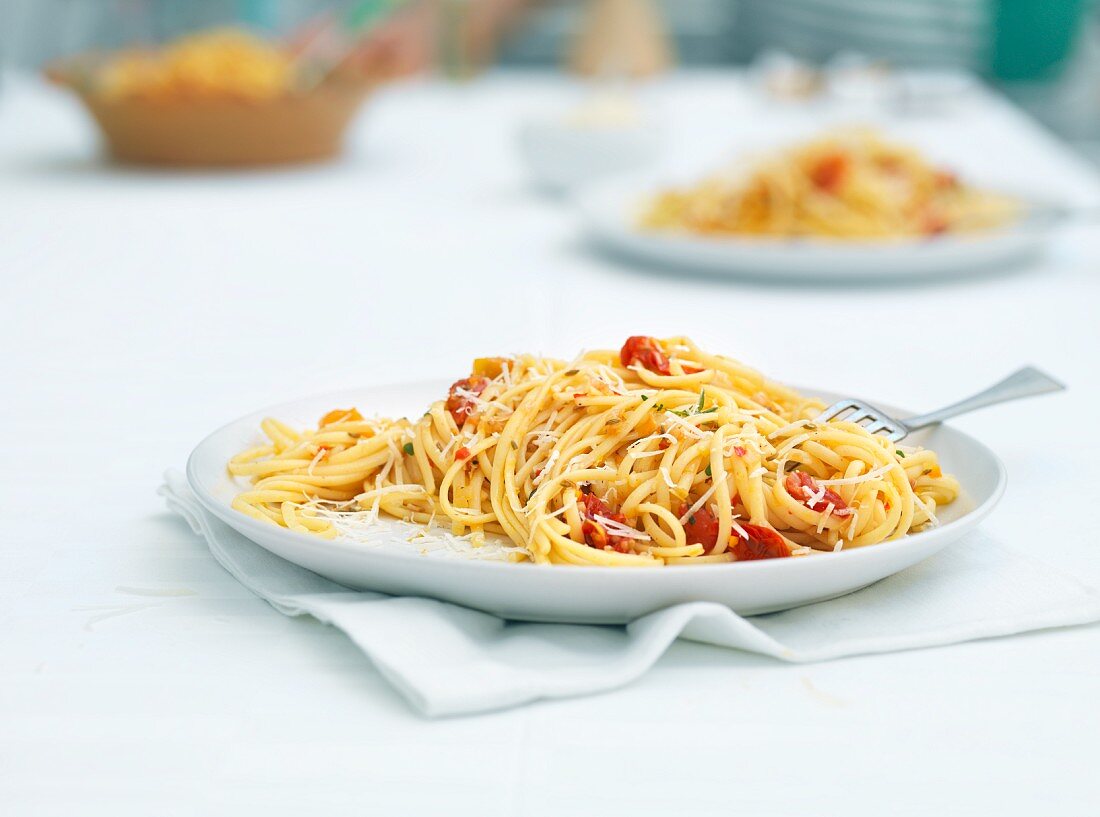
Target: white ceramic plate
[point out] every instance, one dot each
(609, 214)
(578, 594)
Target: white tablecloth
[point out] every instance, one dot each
(142, 309)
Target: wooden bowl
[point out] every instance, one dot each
(228, 132)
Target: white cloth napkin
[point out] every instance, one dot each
(449, 660)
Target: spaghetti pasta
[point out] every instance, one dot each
(658, 453)
(221, 63)
(848, 185)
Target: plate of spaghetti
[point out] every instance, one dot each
(847, 204)
(595, 489)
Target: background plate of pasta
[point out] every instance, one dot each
(595, 489)
(848, 204)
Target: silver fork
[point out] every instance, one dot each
(1026, 382)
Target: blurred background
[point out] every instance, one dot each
(174, 254)
(1043, 54)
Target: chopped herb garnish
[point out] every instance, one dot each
(645, 397)
(691, 519)
(572, 372)
(702, 397)
(708, 411)
(900, 454)
(407, 448)
(659, 407)
(708, 472)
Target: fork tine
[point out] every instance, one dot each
(888, 427)
(838, 408)
(873, 420)
(862, 416)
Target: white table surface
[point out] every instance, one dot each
(142, 309)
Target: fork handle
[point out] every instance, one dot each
(1025, 382)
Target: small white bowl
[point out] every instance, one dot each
(592, 143)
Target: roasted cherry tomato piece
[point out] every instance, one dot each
(459, 401)
(489, 366)
(595, 534)
(592, 505)
(701, 528)
(646, 352)
(341, 416)
(945, 180)
(934, 224)
(829, 172)
(805, 489)
(762, 543)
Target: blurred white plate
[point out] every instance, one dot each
(577, 594)
(610, 213)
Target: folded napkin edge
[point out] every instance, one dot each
(647, 638)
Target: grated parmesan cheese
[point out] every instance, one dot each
(316, 459)
(685, 426)
(546, 468)
(619, 529)
(360, 528)
(740, 531)
(699, 503)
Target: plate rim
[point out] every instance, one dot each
(237, 520)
